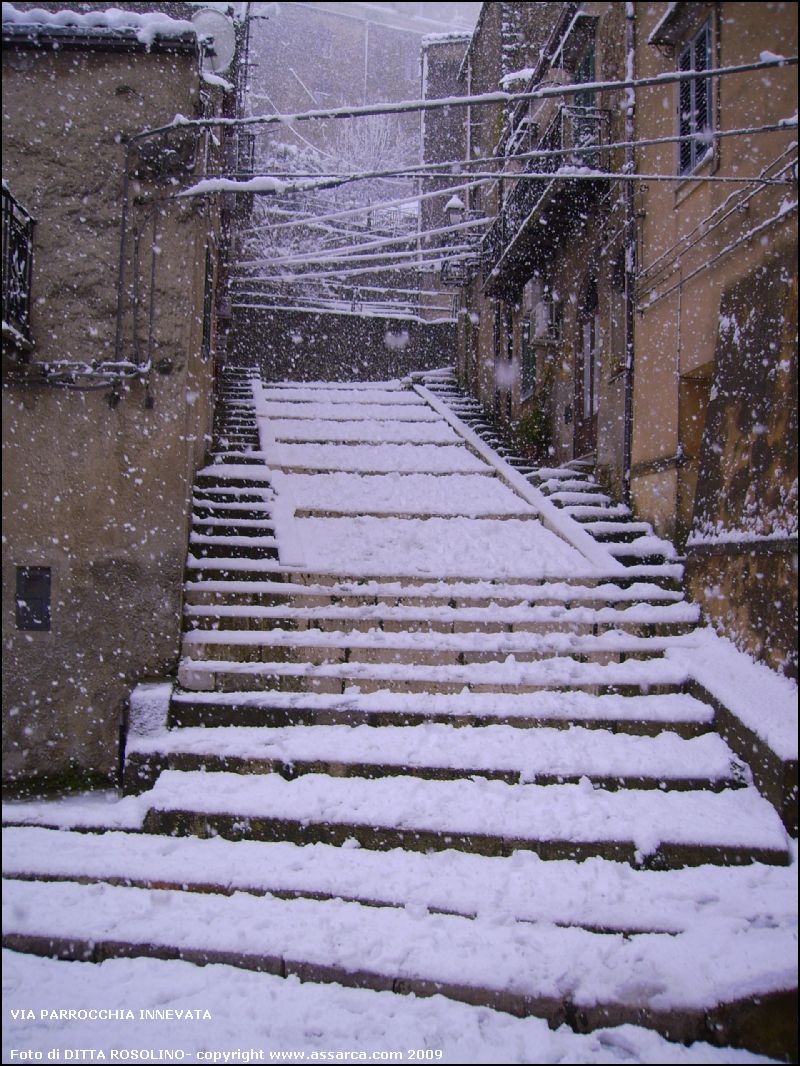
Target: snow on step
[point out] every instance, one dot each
(664, 709)
(257, 494)
(471, 495)
(232, 522)
(618, 527)
(351, 412)
(644, 546)
(597, 510)
(389, 458)
(554, 472)
(457, 546)
(250, 542)
(365, 431)
(534, 961)
(500, 644)
(492, 592)
(208, 564)
(235, 471)
(493, 614)
(529, 815)
(371, 1019)
(381, 572)
(371, 396)
(347, 386)
(593, 894)
(528, 754)
(217, 505)
(566, 484)
(587, 497)
(550, 672)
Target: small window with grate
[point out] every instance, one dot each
(33, 597)
(695, 123)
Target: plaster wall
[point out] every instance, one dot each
(693, 233)
(95, 491)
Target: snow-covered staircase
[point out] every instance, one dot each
(498, 789)
(574, 487)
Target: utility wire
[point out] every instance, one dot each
(482, 99)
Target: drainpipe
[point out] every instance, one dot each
(123, 238)
(630, 253)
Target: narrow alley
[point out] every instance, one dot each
(429, 736)
(400, 532)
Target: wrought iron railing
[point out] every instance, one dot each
(17, 266)
(572, 140)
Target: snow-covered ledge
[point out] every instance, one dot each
(553, 518)
(756, 711)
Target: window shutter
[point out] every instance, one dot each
(685, 117)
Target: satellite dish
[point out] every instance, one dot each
(219, 28)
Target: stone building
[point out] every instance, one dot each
(648, 321)
(108, 362)
(443, 139)
(714, 457)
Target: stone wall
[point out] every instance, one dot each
(742, 552)
(96, 483)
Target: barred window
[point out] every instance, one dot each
(694, 102)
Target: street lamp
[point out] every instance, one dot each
(454, 209)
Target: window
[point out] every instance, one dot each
(585, 72)
(17, 263)
(33, 597)
(694, 102)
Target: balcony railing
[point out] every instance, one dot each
(17, 266)
(575, 137)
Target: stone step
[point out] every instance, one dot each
(211, 552)
(545, 472)
(422, 647)
(254, 499)
(234, 527)
(441, 752)
(216, 474)
(321, 675)
(241, 547)
(593, 512)
(599, 527)
(650, 550)
(641, 618)
(660, 829)
(223, 492)
(621, 533)
(578, 498)
(667, 575)
(551, 485)
(595, 895)
(258, 508)
(325, 590)
(515, 967)
(240, 425)
(649, 714)
(233, 457)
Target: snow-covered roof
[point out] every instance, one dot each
(516, 76)
(453, 37)
(145, 29)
